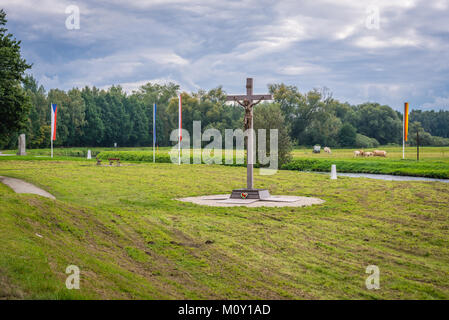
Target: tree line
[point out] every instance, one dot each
(94, 117)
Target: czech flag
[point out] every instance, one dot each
(405, 121)
(54, 112)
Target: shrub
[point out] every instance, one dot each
(362, 141)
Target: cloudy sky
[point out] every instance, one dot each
(387, 51)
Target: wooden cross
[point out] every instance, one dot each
(248, 101)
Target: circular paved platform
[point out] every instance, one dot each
(222, 200)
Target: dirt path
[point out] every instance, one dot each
(20, 186)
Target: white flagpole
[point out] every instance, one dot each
(154, 126)
(403, 128)
(403, 136)
(52, 128)
(179, 130)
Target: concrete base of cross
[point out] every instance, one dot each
(224, 200)
(249, 194)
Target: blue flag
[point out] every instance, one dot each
(154, 124)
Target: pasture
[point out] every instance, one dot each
(434, 161)
(132, 239)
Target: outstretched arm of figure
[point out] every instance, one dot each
(257, 102)
(240, 103)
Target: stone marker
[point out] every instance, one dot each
(22, 145)
(89, 155)
(333, 172)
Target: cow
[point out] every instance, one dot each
(358, 153)
(368, 154)
(380, 153)
(328, 150)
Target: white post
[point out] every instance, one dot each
(333, 172)
(51, 147)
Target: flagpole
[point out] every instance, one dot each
(179, 130)
(52, 128)
(404, 128)
(403, 135)
(154, 132)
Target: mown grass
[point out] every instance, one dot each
(434, 161)
(131, 239)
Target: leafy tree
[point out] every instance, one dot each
(139, 122)
(39, 115)
(93, 126)
(322, 130)
(434, 122)
(269, 116)
(149, 94)
(379, 122)
(425, 138)
(301, 112)
(14, 103)
(347, 135)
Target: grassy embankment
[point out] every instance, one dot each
(131, 239)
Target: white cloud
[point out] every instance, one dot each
(376, 43)
(206, 43)
(438, 102)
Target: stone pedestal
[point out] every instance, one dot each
(250, 194)
(22, 145)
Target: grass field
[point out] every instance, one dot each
(434, 161)
(394, 152)
(131, 239)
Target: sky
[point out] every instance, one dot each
(385, 51)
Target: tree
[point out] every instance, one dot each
(14, 103)
(347, 135)
(379, 122)
(322, 130)
(436, 123)
(38, 126)
(269, 116)
(94, 126)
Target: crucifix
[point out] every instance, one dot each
(248, 102)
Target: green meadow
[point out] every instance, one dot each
(131, 238)
(433, 161)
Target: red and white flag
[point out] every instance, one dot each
(54, 112)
